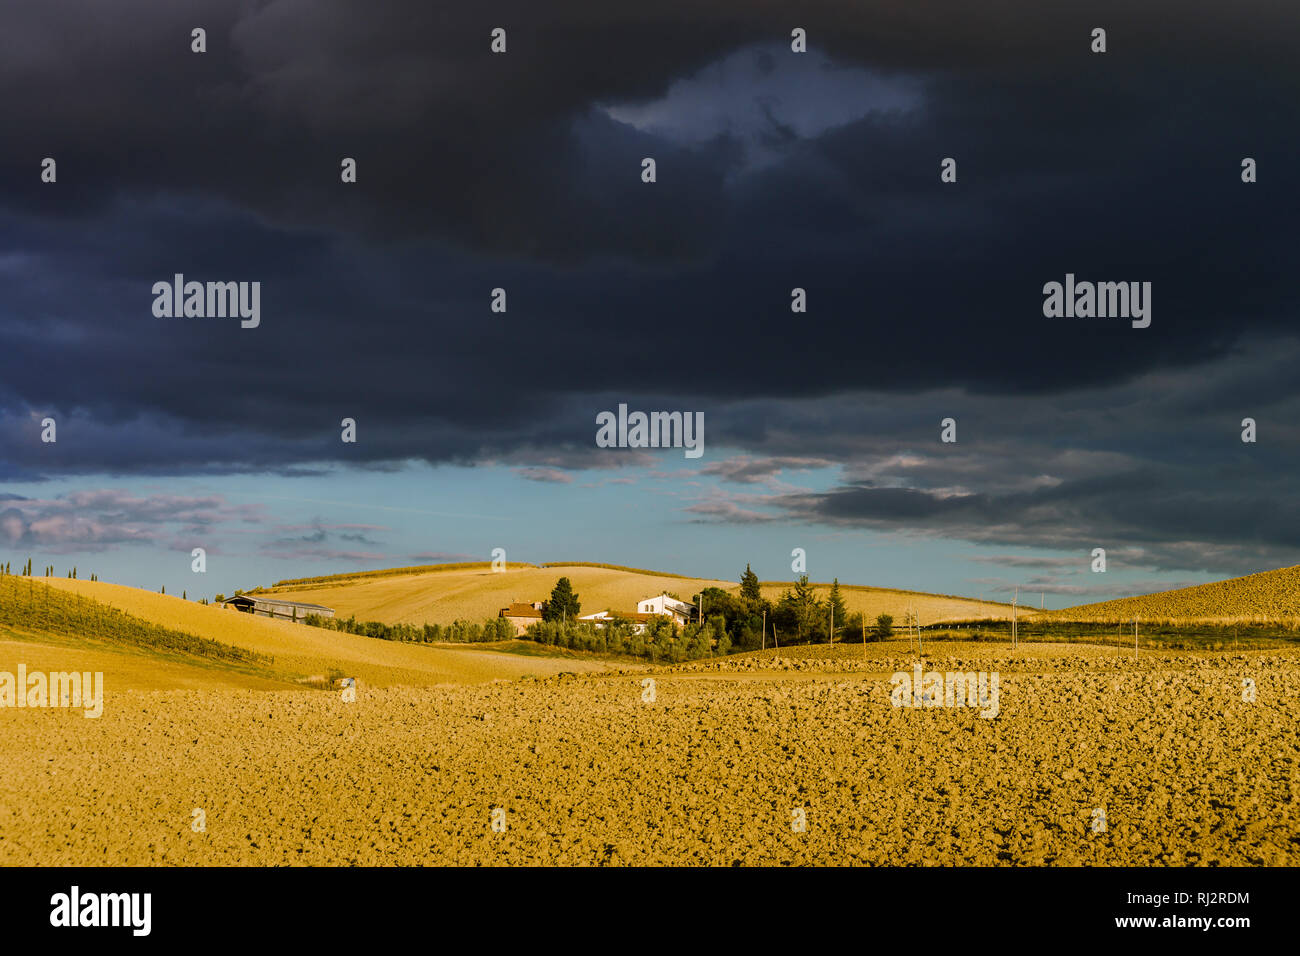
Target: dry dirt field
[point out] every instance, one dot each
(709, 773)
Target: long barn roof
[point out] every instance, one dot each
(257, 599)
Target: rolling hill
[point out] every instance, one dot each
(299, 650)
(434, 594)
(162, 642)
(1266, 597)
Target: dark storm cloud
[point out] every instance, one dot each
(1147, 470)
(1233, 520)
(479, 171)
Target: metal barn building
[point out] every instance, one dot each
(269, 607)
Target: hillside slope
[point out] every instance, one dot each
(1269, 596)
(310, 650)
(429, 596)
(49, 629)
(479, 593)
(124, 668)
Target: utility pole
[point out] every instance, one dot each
(831, 637)
(1014, 635)
(764, 628)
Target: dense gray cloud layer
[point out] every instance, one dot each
(522, 171)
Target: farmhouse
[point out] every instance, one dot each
(638, 620)
(679, 611)
(522, 615)
(647, 610)
(269, 607)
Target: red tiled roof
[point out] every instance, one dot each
(521, 610)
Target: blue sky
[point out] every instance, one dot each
(257, 529)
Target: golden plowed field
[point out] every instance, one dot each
(711, 772)
(304, 650)
(1270, 596)
(477, 593)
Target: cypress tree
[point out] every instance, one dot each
(836, 603)
(563, 605)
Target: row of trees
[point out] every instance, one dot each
(660, 640)
(799, 616)
(461, 632)
(26, 570)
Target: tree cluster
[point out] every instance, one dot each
(459, 632)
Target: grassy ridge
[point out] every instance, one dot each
(28, 603)
(388, 572)
(618, 567)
